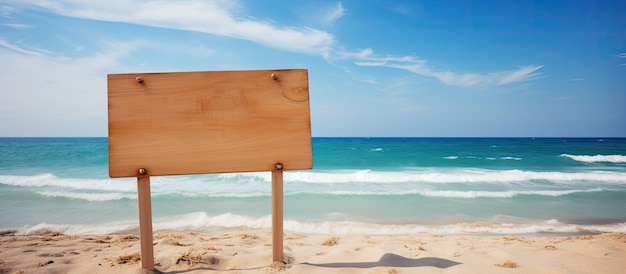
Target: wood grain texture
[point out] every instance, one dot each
(208, 122)
(277, 215)
(145, 222)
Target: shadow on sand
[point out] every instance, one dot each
(191, 270)
(388, 260)
(392, 260)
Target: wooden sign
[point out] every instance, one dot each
(208, 122)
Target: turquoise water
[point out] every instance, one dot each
(358, 185)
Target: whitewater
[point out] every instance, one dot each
(358, 185)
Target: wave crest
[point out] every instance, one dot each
(199, 221)
(465, 183)
(597, 158)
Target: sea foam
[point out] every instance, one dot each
(200, 221)
(468, 183)
(597, 158)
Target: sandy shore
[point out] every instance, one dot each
(249, 251)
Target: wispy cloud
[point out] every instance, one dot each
(225, 18)
(6, 11)
(16, 26)
(220, 17)
(421, 67)
(333, 13)
(622, 56)
(522, 74)
(16, 48)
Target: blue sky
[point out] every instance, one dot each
(376, 68)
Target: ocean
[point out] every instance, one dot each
(374, 186)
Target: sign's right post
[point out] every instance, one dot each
(277, 213)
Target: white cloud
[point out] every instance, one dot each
(16, 26)
(521, 74)
(418, 66)
(333, 13)
(224, 18)
(359, 55)
(4, 43)
(220, 17)
(6, 11)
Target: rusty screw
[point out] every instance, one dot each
(279, 166)
(139, 79)
(142, 171)
(274, 76)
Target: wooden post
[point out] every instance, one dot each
(277, 215)
(145, 222)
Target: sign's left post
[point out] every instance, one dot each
(145, 220)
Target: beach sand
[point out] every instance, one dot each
(249, 251)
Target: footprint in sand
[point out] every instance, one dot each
(44, 264)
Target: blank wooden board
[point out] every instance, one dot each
(208, 122)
